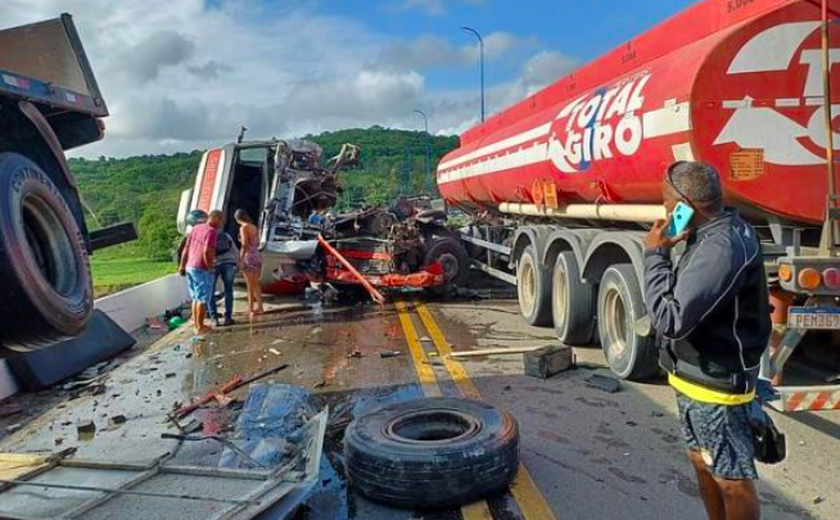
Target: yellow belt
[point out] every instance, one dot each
(707, 395)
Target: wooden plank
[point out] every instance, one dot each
(494, 352)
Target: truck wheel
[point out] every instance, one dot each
(452, 257)
(432, 453)
(533, 288)
(573, 302)
(620, 305)
(47, 293)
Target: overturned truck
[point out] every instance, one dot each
(291, 191)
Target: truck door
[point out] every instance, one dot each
(212, 184)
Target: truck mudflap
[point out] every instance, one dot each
(807, 398)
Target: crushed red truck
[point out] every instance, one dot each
(564, 183)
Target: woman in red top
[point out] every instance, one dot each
(250, 260)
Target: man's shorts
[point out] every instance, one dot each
(200, 283)
(721, 434)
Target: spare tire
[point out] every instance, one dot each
(432, 453)
(47, 293)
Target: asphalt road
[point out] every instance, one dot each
(586, 454)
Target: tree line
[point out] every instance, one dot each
(146, 189)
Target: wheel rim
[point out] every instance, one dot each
(615, 325)
(432, 427)
(451, 266)
(527, 286)
(560, 298)
(49, 245)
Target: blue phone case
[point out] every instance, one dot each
(680, 219)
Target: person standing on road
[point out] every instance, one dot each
(712, 312)
(197, 264)
(250, 260)
(227, 257)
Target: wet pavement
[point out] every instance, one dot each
(587, 454)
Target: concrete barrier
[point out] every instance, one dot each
(129, 309)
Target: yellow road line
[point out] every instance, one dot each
(456, 369)
(477, 511)
(425, 373)
(531, 502)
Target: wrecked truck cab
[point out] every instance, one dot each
(291, 192)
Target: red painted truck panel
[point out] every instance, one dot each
(732, 82)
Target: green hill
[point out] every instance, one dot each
(146, 190)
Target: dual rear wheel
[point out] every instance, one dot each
(578, 309)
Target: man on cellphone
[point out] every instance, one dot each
(712, 313)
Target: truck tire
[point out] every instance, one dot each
(620, 305)
(573, 302)
(533, 289)
(432, 453)
(47, 294)
(452, 257)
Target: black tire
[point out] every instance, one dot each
(453, 258)
(533, 289)
(47, 293)
(572, 302)
(432, 453)
(620, 305)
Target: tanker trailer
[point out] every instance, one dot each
(563, 185)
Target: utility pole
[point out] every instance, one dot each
(481, 57)
(428, 151)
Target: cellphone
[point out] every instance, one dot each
(680, 219)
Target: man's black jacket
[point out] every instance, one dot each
(713, 311)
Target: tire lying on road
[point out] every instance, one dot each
(47, 293)
(432, 453)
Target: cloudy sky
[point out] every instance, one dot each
(184, 74)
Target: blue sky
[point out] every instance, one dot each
(184, 74)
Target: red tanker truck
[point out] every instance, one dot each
(564, 184)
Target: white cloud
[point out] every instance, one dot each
(435, 7)
(178, 75)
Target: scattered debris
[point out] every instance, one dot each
(320, 384)
(390, 354)
(170, 375)
(605, 383)
(549, 361)
(10, 409)
(220, 395)
(818, 500)
(86, 429)
(14, 427)
(115, 421)
(493, 352)
(275, 352)
(354, 354)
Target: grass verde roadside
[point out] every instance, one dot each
(123, 267)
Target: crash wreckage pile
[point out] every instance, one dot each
(405, 245)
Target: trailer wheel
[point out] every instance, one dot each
(452, 257)
(47, 293)
(533, 288)
(620, 305)
(432, 453)
(573, 302)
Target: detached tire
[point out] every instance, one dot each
(47, 293)
(573, 302)
(620, 306)
(533, 289)
(432, 453)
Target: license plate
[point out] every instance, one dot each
(814, 318)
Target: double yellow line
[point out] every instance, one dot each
(531, 502)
